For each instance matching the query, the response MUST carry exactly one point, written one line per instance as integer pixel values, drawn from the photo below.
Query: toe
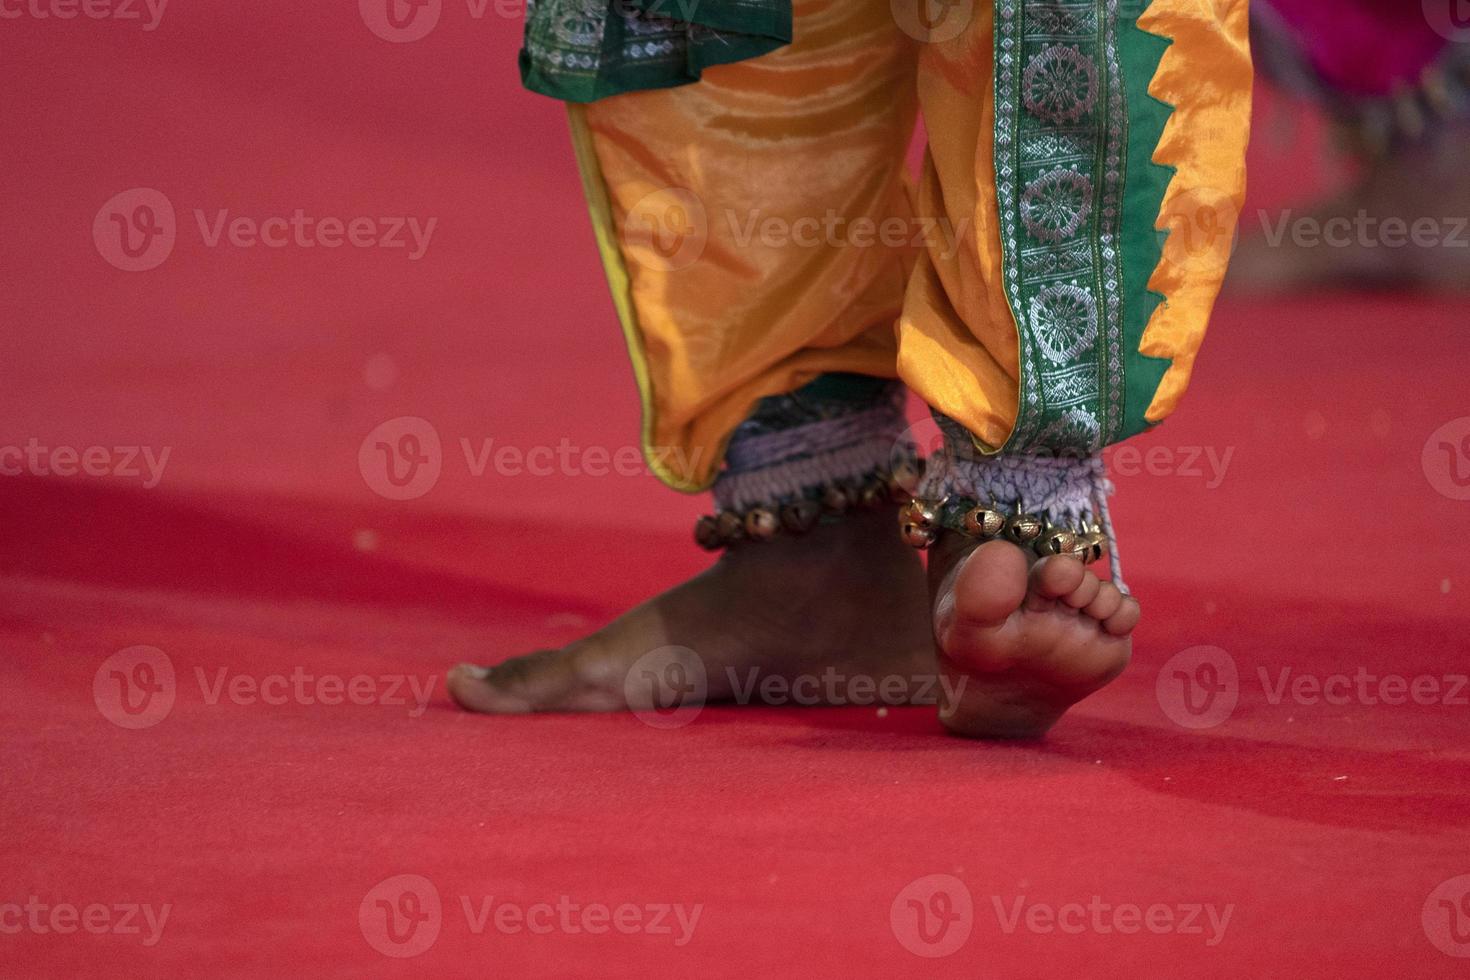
(1121, 623)
(989, 584)
(1082, 596)
(1057, 576)
(467, 685)
(1106, 602)
(538, 681)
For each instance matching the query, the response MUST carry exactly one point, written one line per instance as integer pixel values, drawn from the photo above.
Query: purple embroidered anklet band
(835, 444)
(1052, 504)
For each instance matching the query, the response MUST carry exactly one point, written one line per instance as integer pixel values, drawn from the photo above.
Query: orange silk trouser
(760, 227)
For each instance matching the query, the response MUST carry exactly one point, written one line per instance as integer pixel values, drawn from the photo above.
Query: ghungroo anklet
(920, 522)
(1052, 505)
(799, 515)
(808, 457)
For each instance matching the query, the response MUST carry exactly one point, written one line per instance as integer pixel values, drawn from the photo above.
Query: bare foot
(1021, 640)
(847, 597)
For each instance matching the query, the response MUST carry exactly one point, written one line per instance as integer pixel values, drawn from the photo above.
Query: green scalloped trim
(1142, 241)
(1079, 197)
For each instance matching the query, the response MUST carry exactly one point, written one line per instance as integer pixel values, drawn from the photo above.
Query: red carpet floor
(1300, 517)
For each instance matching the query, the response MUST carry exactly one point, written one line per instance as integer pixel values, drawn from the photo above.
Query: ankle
(858, 539)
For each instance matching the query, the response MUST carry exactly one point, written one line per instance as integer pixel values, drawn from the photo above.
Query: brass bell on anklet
(707, 533)
(1093, 545)
(874, 492)
(922, 514)
(1056, 541)
(917, 537)
(801, 516)
(918, 523)
(1024, 528)
(761, 524)
(983, 522)
(731, 526)
(835, 499)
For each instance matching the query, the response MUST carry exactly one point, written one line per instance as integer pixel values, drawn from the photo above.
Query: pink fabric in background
(1364, 47)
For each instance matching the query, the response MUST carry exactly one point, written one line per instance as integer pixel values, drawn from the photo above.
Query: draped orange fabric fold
(758, 229)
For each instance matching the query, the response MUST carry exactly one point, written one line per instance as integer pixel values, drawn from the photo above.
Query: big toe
(989, 584)
(547, 680)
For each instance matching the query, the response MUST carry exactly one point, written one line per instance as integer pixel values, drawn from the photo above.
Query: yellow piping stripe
(618, 280)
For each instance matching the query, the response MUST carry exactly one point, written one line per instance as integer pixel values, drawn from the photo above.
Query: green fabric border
(1141, 241)
(1079, 199)
(717, 32)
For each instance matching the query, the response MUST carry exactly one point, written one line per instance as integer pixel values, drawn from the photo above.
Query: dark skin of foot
(848, 596)
(1027, 639)
(1018, 641)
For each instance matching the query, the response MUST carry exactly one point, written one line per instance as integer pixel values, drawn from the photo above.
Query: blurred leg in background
(1394, 78)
